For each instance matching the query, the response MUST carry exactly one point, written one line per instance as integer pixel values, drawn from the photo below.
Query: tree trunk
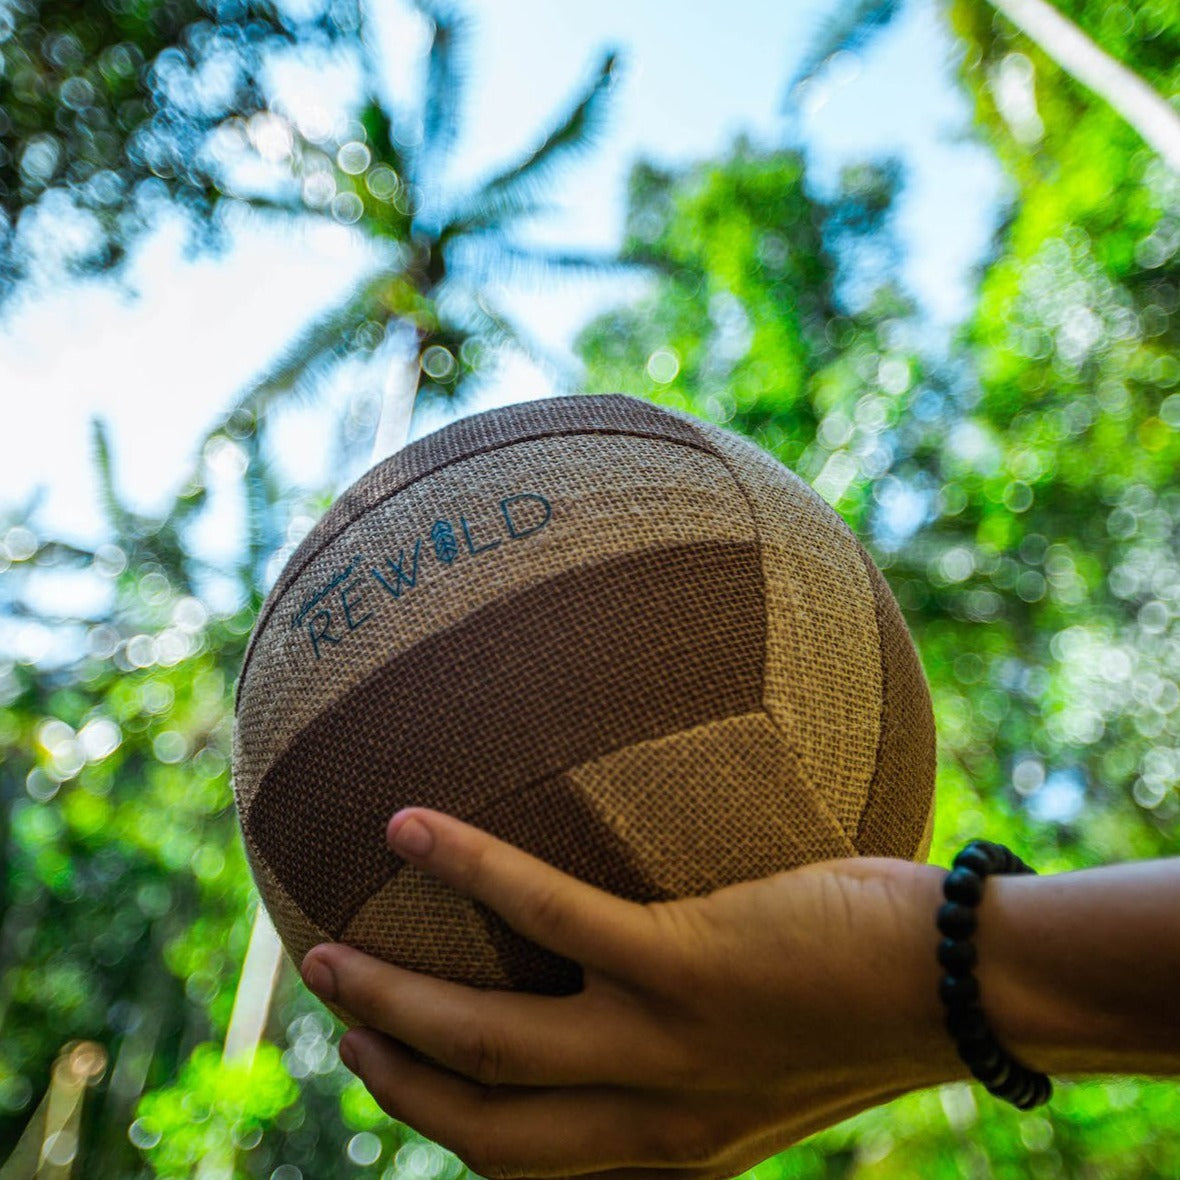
(1143, 108)
(402, 354)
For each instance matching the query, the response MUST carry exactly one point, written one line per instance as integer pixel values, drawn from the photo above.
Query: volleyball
(628, 641)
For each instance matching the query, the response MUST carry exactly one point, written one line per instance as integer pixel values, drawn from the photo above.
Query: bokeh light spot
(364, 1148)
(438, 363)
(347, 208)
(353, 158)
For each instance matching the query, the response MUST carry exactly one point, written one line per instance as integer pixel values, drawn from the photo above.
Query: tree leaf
(851, 26)
(444, 87)
(512, 188)
(323, 341)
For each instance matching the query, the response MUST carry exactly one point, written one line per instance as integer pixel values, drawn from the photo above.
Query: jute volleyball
(630, 642)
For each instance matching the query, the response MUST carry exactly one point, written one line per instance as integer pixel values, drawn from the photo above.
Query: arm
(1080, 972)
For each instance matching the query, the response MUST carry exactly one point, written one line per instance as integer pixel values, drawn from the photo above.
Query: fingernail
(319, 977)
(412, 837)
(348, 1055)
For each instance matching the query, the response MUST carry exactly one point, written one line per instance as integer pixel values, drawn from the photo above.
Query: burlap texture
(704, 807)
(610, 494)
(686, 674)
(592, 660)
(894, 822)
(823, 663)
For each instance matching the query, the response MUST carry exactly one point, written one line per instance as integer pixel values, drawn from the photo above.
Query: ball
(630, 642)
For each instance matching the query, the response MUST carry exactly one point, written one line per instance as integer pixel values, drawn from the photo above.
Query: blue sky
(160, 366)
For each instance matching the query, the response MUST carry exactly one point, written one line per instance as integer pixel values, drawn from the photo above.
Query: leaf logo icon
(446, 547)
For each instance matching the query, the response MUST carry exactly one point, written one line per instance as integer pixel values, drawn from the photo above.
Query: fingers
(505, 1133)
(595, 928)
(494, 1037)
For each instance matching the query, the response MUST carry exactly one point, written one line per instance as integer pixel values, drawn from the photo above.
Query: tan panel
(823, 680)
(923, 853)
(608, 495)
(416, 922)
(710, 806)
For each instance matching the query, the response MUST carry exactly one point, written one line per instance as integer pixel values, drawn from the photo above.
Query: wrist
(926, 1051)
(1078, 970)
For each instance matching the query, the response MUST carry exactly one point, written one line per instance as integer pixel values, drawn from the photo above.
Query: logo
(349, 597)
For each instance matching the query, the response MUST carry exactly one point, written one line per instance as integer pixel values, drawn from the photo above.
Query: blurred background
(925, 253)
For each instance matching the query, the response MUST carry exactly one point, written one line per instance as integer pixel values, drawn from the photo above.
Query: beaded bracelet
(1002, 1074)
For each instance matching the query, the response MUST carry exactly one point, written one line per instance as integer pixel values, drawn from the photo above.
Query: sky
(161, 362)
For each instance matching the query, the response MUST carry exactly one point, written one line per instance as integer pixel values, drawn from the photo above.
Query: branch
(1138, 103)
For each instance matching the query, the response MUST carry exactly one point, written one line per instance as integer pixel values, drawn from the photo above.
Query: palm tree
(1143, 108)
(426, 298)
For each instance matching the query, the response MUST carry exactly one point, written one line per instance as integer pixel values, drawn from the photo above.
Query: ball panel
(820, 603)
(594, 659)
(417, 922)
(476, 435)
(922, 855)
(296, 931)
(659, 493)
(900, 805)
(662, 798)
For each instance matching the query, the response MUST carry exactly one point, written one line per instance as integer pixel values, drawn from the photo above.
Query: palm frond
(444, 81)
(120, 518)
(505, 262)
(484, 319)
(573, 133)
(380, 132)
(493, 217)
(323, 340)
(850, 27)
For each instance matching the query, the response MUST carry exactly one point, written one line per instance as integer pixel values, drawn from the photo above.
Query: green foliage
(747, 325)
(1019, 494)
(214, 1103)
(103, 111)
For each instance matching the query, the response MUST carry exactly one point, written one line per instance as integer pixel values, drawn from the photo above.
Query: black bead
(982, 1053)
(966, 1023)
(999, 1079)
(957, 957)
(955, 920)
(1026, 1092)
(958, 990)
(993, 852)
(963, 885)
(975, 859)
(991, 1071)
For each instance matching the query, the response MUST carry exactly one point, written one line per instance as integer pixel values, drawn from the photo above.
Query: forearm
(1079, 972)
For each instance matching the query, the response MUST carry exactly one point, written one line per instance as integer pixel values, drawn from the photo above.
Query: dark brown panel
(589, 661)
(901, 791)
(613, 413)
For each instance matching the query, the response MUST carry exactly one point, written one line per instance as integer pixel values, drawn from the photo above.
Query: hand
(710, 1033)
